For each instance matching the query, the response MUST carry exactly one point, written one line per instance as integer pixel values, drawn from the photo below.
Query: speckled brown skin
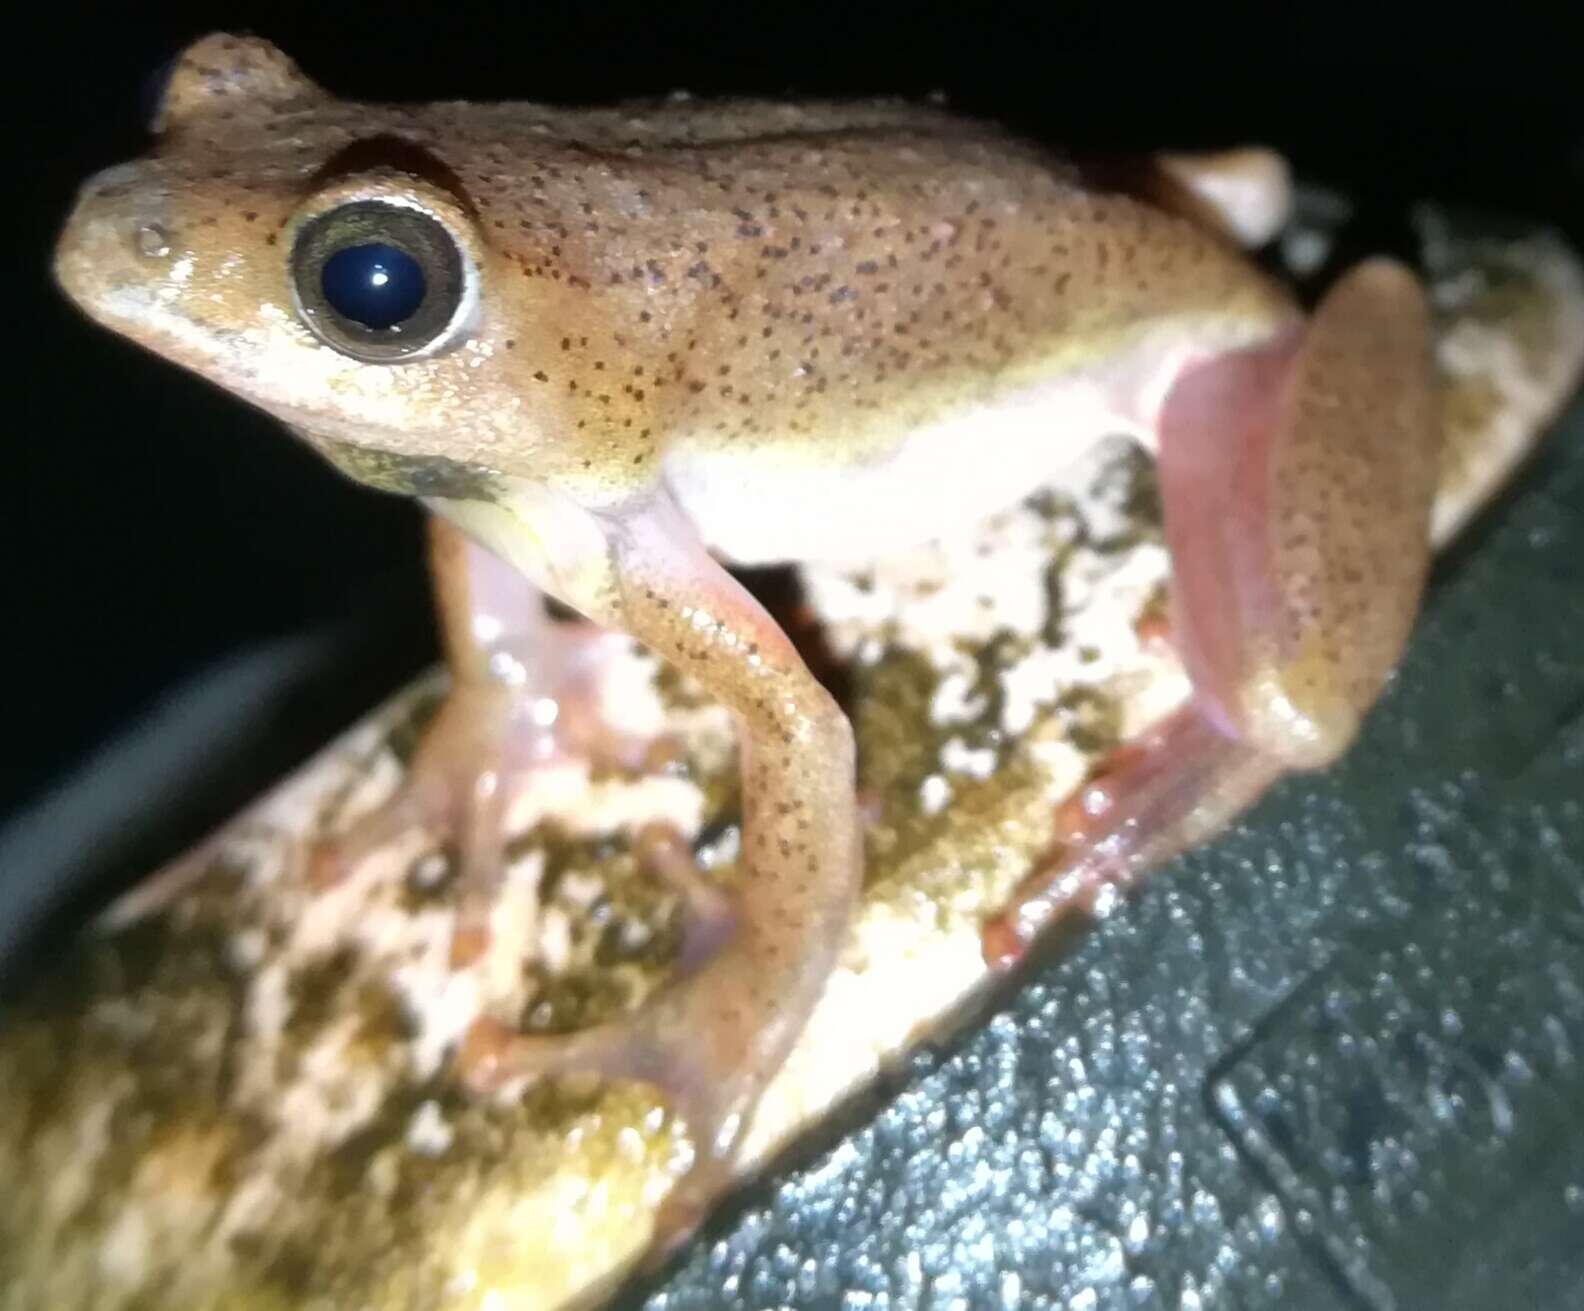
(828, 277)
(1348, 478)
(680, 318)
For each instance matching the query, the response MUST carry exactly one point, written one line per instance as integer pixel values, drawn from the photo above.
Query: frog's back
(813, 264)
(682, 120)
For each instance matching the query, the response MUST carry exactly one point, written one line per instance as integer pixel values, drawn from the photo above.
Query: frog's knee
(1246, 193)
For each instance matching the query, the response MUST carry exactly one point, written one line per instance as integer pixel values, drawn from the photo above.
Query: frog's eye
(379, 281)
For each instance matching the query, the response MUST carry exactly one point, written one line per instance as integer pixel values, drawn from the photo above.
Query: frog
(617, 352)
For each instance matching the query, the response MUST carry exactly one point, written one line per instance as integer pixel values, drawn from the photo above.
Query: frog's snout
(117, 242)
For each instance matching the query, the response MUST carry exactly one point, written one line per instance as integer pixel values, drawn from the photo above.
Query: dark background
(194, 603)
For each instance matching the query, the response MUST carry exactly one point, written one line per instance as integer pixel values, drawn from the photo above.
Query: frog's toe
(709, 916)
(333, 857)
(493, 1054)
(1152, 799)
(686, 1207)
(658, 1041)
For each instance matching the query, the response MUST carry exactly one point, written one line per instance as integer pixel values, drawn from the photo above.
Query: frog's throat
(407, 475)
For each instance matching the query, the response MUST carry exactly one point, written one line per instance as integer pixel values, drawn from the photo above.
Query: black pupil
(376, 285)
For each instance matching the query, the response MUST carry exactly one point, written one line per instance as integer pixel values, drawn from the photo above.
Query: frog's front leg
(522, 696)
(1297, 479)
(714, 1036)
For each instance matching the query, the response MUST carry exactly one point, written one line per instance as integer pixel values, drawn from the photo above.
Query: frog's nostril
(151, 241)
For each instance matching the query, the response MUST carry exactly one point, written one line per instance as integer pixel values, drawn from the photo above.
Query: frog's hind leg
(1151, 800)
(522, 696)
(1297, 480)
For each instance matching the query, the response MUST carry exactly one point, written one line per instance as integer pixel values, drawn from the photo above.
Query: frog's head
(319, 259)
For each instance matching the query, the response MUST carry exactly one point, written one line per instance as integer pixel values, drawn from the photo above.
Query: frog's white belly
(776, 504)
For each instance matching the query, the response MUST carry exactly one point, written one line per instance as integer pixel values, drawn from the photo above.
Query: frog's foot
(684, 1041)
(674, 1043)
(667, 1044)
(489, 736)
(1244, 194)
(1150, 801)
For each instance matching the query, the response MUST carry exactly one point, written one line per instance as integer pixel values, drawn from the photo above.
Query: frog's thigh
(1297, 479)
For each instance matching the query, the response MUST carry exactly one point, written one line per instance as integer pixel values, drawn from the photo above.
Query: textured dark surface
(1337, 1060)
